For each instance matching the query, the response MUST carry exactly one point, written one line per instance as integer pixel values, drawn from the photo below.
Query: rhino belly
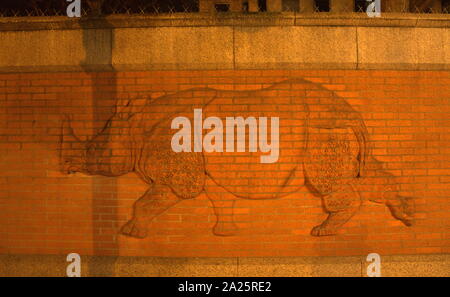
(243, 173)
(246, 178)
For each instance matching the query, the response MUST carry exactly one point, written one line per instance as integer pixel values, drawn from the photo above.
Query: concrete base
(42, 265)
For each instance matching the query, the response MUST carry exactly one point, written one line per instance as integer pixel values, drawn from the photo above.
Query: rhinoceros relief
(323, 145)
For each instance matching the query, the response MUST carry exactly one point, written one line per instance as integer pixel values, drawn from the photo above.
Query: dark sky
(23, 4)
(119, 6)
(62, 4)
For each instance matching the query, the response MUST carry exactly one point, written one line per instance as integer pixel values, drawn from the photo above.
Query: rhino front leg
(154, 202)
(223, 203)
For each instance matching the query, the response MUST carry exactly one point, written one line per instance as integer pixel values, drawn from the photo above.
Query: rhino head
(111, 152)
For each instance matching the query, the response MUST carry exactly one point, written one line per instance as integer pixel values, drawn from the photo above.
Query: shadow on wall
(93, 36)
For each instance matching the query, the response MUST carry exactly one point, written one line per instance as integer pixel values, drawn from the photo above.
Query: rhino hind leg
(223, 204)
(341, 205)
(331, 168)
(154, 202)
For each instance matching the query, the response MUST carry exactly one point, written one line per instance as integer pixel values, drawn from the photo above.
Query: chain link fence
(21, 8)
(16, 8)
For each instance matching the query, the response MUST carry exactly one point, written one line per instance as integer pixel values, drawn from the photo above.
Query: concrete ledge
(404, 48)
(295, 47)
(226, 19)
(173, 48)
(55, 48)
(229, 41)
(41, 265)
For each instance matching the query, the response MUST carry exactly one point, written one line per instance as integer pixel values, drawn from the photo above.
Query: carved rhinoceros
(323, 145)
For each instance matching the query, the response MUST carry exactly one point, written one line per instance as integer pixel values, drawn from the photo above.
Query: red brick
(45, 211)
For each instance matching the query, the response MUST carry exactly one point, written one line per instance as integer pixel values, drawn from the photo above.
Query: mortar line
(357, 48)
(234, 48)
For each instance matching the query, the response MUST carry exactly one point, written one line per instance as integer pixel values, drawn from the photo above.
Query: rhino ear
(125, 109)
(122, 104)
(138, 104)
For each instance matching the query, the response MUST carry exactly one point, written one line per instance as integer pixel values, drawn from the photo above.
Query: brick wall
(44, 211)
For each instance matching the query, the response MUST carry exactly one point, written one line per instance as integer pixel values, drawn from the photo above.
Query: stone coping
(226, 19)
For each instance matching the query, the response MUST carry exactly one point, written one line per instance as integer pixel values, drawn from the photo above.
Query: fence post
(95, 7)
(307, 6)
(342, 5)
(274, 5)
(395, 6)
(235, 5)
(253, 6)
(423, 6)
(437, 6)
(205, 6)
(209, 5)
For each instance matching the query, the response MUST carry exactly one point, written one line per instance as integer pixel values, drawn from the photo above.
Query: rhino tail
(364, 156)
(379, 185)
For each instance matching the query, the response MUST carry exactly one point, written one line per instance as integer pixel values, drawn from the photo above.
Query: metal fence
(15, 8)
(18, 8)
